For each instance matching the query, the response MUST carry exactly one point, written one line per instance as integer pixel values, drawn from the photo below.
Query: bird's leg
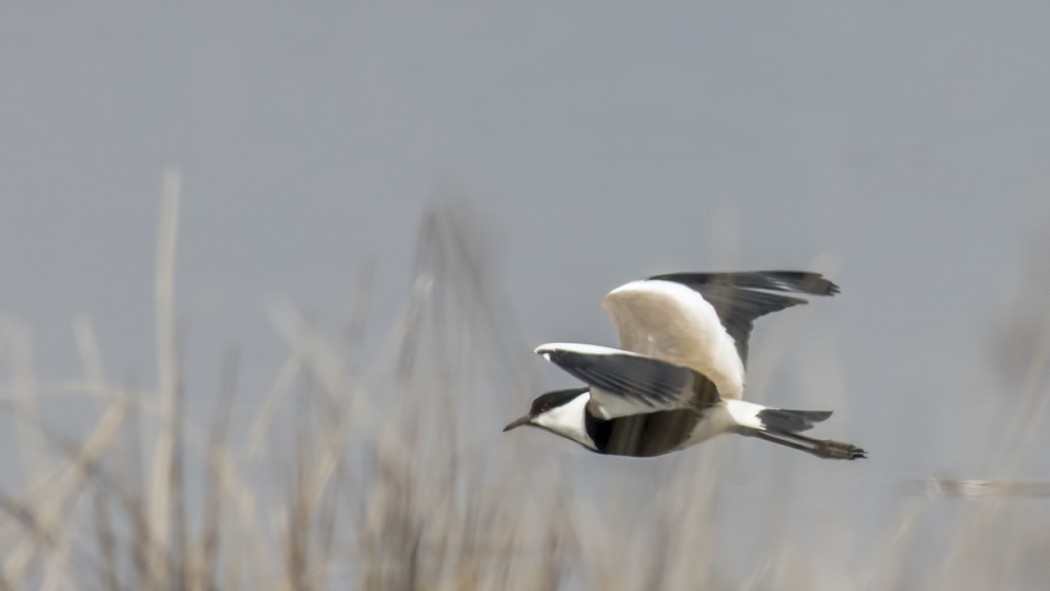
(826, 448)
(822, 448)
(785, 442)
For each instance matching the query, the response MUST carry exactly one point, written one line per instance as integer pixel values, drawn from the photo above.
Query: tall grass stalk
(346, 473)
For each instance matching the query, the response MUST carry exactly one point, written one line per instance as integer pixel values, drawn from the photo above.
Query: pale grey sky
(601, 142)
(902, 146)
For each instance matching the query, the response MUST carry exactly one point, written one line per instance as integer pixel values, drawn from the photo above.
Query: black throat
(598, 429)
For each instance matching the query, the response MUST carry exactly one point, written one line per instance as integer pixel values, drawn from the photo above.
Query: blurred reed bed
(392, 474)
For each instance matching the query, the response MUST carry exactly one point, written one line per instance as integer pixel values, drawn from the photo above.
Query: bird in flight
(677, 378)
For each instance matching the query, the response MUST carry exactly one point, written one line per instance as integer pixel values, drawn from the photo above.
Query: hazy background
(903, 148)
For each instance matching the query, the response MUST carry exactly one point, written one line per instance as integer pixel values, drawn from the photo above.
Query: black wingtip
(805, 282)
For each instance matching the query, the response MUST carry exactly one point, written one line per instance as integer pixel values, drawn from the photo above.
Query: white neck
(567, 420)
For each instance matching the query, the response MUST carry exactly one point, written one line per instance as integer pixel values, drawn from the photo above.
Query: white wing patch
(674, 323)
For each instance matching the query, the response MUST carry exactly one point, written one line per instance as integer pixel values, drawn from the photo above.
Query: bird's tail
(791, 421)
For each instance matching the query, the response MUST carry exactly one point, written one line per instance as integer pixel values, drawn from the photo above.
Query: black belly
(645, 435)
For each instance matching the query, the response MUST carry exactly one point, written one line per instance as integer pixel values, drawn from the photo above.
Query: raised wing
(625, 384)
(739, 298)
(674, 323)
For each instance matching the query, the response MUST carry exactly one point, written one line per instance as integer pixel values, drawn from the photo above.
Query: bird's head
(560, 412)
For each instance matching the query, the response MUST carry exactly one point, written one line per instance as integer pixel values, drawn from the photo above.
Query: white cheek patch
(568, 420)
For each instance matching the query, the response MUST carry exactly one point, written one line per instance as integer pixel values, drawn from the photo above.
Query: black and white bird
(678, 377)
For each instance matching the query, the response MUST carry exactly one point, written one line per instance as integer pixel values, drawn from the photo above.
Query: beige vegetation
(345, 474)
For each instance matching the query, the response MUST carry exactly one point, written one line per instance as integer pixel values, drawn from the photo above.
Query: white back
(674, 323)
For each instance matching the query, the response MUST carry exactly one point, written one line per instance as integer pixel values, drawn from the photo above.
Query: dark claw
(839, 451)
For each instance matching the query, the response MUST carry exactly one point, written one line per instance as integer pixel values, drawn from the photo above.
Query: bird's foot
(836, 450)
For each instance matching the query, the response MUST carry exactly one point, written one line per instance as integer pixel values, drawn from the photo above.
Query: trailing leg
(822, 448)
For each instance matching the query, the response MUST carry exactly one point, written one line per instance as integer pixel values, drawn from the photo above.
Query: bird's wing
(739, 298)
(674, 323)
(625, 383)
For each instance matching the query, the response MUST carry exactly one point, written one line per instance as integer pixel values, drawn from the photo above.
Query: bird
(677, 378)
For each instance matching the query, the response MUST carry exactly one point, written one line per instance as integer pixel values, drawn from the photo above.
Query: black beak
(525, 420)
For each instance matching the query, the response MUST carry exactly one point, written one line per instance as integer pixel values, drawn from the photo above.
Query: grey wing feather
(648, 383)
(739, 298)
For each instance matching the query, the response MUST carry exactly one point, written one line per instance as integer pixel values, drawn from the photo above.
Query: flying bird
(677, 378)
